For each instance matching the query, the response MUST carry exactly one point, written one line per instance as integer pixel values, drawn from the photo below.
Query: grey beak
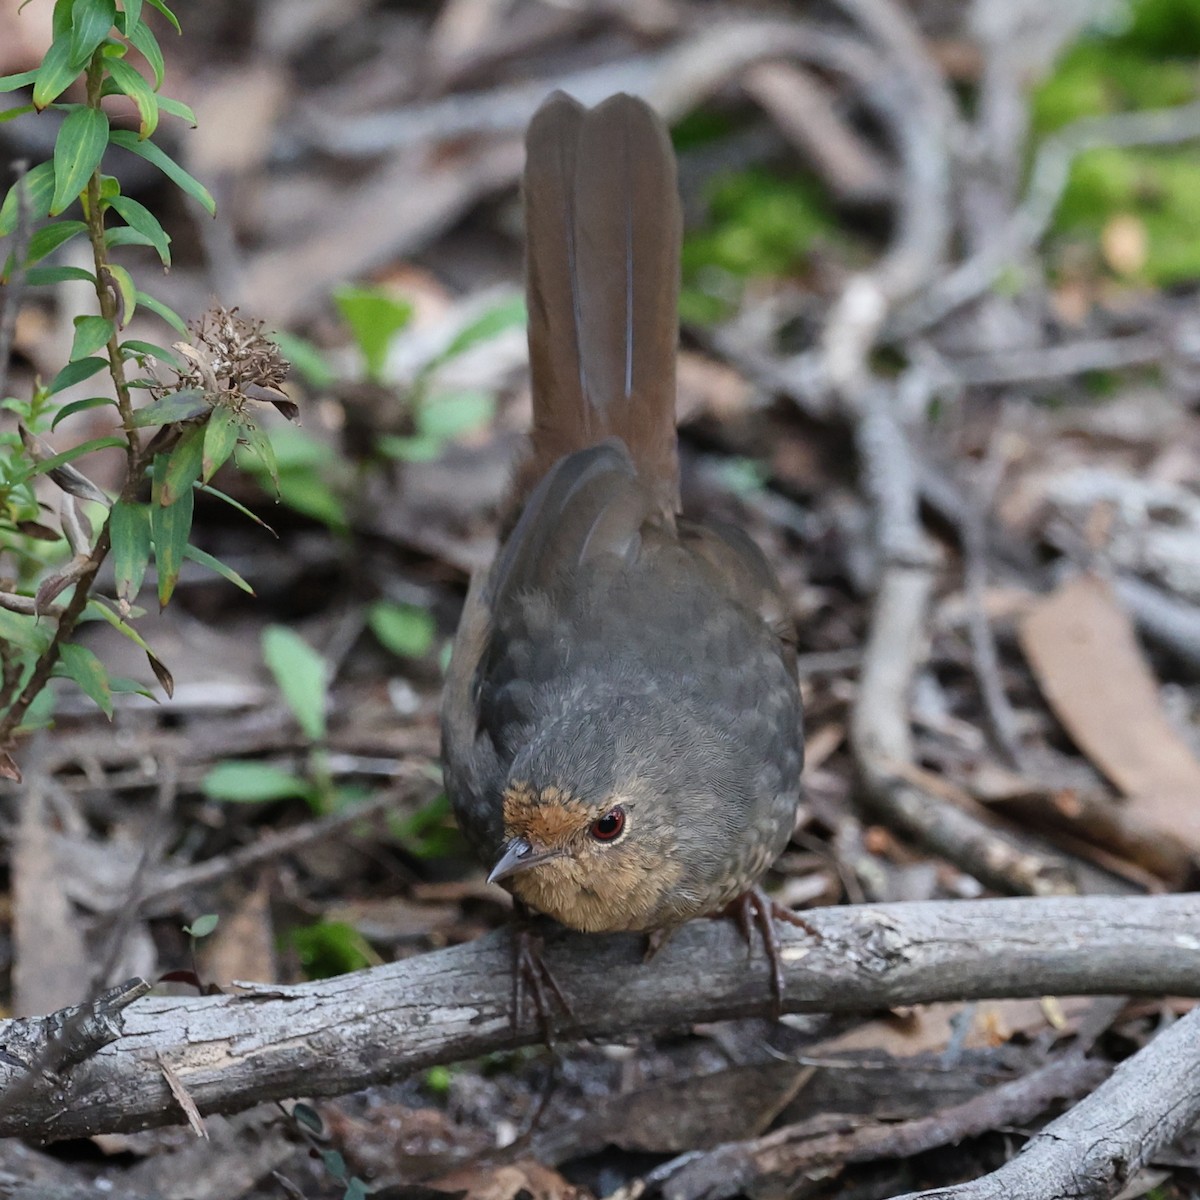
(516, 856)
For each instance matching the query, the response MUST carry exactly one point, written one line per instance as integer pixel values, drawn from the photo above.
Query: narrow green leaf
(166, 12)
(236, 504)
(302, 675)
(252, 783)
(41, 276)
(91, 21)
(170, 526)
(306, 358)
(49, 238)
(216, 565)
(39, 190)
(159, 309)
(91, 333)
(406, 630)
(11, 114)
(122, 235)
(133, 12)
(183, 467)
(80, 145)
(138, 216)
(66, 456)
(76, 372)
(78, 406)
(177, 108)
(60, 20)
(260, 444)
(10, 83)
(447, 415)
(137, 348)
(81, 665)
(56, 72)
(128, 140)
(509, 314)
(141, 36)
(220, 437)
(129, 81)
(127, 290)
(175, 406)
(129, 528)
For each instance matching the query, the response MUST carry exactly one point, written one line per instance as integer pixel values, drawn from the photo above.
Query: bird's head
(598, 865)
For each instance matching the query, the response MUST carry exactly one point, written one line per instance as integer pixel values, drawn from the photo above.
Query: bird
(622, 733)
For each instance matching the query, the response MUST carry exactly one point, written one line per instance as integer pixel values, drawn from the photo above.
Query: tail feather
(603, 230)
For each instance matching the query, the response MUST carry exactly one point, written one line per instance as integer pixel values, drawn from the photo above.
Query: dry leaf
(1124, 243)
(1082, 648)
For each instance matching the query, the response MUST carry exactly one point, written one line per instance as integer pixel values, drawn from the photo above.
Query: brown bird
(621, 724)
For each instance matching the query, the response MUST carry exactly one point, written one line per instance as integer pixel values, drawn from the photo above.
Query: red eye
(608, 827)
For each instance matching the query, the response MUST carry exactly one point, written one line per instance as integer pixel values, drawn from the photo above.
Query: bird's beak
(517, 855)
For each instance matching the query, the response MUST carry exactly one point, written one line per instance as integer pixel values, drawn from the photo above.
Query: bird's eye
(608, 827)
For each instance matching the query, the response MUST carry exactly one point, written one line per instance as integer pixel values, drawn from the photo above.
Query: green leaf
(49, 238)
(175, 406)
(133, 12)
(159, 309)
(252, 783)
(57, 71)
(406, 630)
(41, 276)
(28, 632)
(448, 415)
(138, 216)
(260, 444)
(509, 314)
(236, 504)
(202, 926)
(220, 437)
(80, 664)
(141, 36)
(167, 165)
(410, 449)
(91, 21)
(66, 456)
(91, 334)
(122, 235)
(375, 317)
(39, 190)
(217, 566)
(183, 467)
(11, 114)
(127, 291)
(76, 372)
(170, 526)
(177, 108)
(166, 12)
(10, 83)
(78, 406)
(136, 348)
(78, 149)
(129, 528)
(129, 80)
(302, 675)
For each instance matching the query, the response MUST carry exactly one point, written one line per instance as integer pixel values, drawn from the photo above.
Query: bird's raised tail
(603, 227)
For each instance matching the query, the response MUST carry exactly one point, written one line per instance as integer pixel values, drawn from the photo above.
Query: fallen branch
(1093, 1151)
(338, 1035)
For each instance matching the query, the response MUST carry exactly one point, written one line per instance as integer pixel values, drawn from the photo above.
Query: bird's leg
(532, 977)
(753, 907)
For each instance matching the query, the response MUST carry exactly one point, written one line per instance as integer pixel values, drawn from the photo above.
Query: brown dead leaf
(525, 1179)
(243, 944)
(1082, 648)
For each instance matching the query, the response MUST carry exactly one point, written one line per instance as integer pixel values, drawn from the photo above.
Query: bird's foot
(754, 907)
(534, 981)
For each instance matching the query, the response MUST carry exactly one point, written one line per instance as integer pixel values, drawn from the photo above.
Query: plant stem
(94, 216)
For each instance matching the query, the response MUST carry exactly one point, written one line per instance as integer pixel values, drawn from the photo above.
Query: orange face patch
(548, 818)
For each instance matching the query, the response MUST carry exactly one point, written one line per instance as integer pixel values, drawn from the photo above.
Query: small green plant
(180, 413)
(308, 1124)
(302, 676)
(328, 948)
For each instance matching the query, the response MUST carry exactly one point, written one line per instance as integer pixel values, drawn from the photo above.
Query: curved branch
(338, 1035)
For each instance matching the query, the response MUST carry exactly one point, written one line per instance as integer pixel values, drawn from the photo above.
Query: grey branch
(1093, 1151)
(338, 1035)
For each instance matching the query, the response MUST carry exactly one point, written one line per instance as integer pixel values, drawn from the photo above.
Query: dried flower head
(233, 362)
